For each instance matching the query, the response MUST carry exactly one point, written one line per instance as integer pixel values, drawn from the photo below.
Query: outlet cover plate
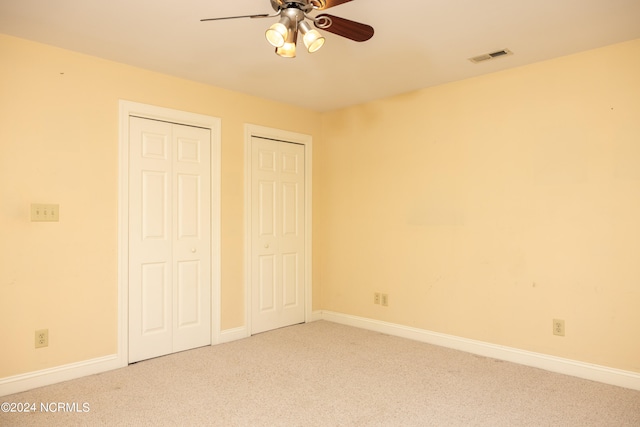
(558, 327)
(42, 338)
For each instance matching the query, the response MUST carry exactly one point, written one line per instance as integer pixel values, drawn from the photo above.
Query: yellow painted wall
(487, 207)
(484, 208)
(59, 144)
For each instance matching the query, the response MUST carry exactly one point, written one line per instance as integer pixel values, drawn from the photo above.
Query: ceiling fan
(294, 15)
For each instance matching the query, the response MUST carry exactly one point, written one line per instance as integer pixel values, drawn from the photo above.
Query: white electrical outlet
(384, 300)
(558, 327)
(42, 338)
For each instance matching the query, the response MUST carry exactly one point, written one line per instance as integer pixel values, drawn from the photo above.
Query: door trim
(251, 131)
(127, 109)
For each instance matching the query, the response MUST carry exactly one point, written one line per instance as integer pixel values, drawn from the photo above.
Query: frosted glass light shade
(288, 50)
(277, 34)
(313, 41)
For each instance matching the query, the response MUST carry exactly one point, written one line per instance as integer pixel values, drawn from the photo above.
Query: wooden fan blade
(262, 15)
(343, 27)
(326, 4)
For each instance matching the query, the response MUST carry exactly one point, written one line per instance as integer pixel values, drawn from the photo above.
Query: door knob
(266, 246)
(193, 250)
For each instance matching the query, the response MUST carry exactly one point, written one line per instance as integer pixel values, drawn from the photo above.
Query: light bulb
(288, 50)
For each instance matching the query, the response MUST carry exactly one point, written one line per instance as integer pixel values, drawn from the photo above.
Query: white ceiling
(417, 43)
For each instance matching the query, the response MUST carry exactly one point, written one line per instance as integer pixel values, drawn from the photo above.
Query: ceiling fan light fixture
(313, 40)
(293, 16)
(288, 50)
(277, 33)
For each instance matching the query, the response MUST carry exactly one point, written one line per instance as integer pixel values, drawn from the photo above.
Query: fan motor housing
(298, 4)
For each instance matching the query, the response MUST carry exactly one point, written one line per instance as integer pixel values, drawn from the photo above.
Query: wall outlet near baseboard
(376, 298)
(558, 327)
(42, 338)
(384, 300)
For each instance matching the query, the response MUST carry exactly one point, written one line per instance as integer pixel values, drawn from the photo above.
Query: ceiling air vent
(492, 55)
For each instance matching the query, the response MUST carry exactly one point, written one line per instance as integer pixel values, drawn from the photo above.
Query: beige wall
(484, 208)
(59, 144)
(487, 207)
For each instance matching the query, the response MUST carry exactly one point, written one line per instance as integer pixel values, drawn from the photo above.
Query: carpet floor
(327, 374)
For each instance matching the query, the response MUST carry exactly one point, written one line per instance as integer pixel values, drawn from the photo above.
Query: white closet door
(169, 238)
(278, 212)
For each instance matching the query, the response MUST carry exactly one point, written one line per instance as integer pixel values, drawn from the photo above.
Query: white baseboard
(315, 316)
(241, 332)
(560, 365)
(35, 379)
(603, 374)
(234, 334)
(31, 380)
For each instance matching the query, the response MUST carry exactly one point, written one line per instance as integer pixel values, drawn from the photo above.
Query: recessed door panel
(267, 208)
(290, 215)
(188, 293)
(189, 206)
(290, 282)
(290, 163)
(155, 145)
(155, 214)
(267, 282)
(266, 160)
(156, 292)
(189, 150)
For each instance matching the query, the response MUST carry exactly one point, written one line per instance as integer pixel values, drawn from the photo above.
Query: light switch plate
(45, 213)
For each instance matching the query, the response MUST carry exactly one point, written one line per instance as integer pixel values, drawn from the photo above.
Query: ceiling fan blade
(326, 4)
(262, 15)
(343, 27)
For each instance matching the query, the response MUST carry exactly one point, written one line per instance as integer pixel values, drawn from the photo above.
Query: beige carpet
(326, 374)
